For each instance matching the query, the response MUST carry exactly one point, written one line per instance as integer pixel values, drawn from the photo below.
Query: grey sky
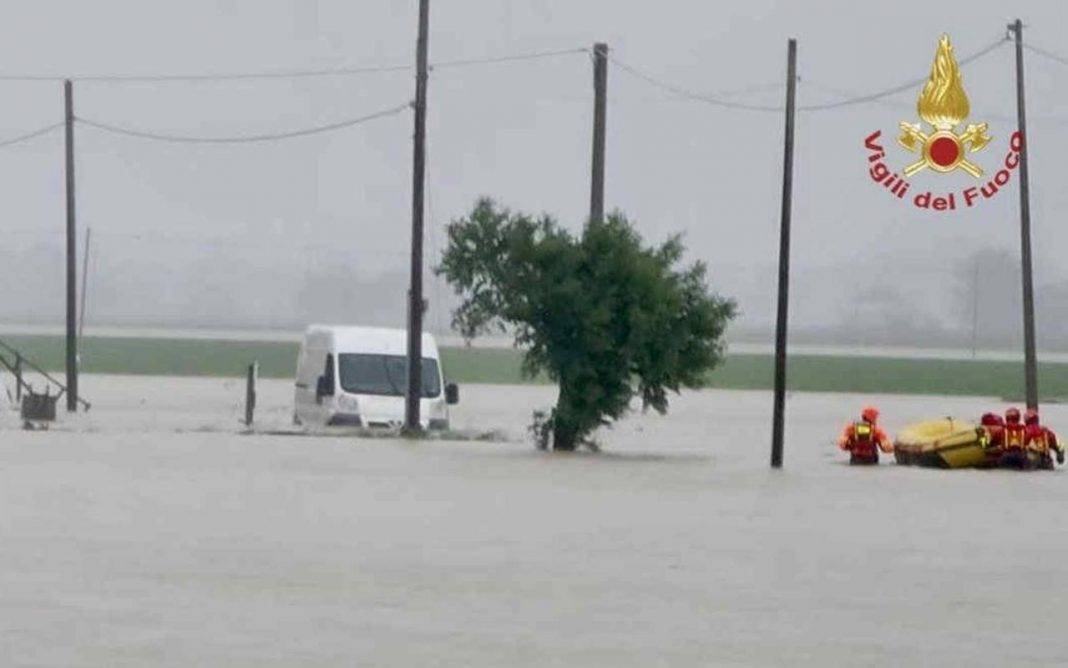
(519, 132)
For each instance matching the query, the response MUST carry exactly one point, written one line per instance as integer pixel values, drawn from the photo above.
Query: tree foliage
(606, 317)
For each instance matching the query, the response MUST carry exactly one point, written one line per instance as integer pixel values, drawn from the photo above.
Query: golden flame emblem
(943, 104)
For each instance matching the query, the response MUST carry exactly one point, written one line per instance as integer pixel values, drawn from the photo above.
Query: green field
(807, 373)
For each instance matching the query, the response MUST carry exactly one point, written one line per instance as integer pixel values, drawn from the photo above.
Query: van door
(325, 404)
(309, 366)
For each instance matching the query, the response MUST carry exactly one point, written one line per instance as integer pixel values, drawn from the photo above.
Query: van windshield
(384, 374)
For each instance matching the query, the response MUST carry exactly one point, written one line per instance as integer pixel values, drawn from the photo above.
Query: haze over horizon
(276, 234)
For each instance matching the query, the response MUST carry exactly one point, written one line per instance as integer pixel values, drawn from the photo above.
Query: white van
(358, 376)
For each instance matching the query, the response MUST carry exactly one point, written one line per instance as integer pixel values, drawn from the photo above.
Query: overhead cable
(146, 78)
(689, 94)
(289, 74)
(506, 59)
(240, 139)
(241, 76)
(908, 85)
(997, 116)
(1046, 54)
(720, 101)
(30, 135)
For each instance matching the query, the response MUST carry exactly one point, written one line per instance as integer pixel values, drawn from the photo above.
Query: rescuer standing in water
(864, 439)
(1040, 441)
(994, 425)
(1013, 454)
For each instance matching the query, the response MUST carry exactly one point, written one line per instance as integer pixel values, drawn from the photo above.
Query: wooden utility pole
(1030, 356)
(600, 114)
(250, 392)
(975, 307)
(415, 292)
(85, 288)
(72, 261)
(778, 414)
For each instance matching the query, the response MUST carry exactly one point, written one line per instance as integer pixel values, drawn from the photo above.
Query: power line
(155, 237)
(30, 135)
(683, 92)
(901, 106)
(186, 139)
(148, 78)
(288, 74)
(719, 101)
(908, 85)
(506, 59)
(207, 243)
(244, 76)
(1046, 54)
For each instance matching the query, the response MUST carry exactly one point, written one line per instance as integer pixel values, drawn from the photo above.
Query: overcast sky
(519, 132)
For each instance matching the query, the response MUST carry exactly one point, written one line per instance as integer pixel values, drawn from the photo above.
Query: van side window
(328, 372)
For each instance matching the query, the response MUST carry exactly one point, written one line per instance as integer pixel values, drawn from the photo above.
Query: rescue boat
(945, 444)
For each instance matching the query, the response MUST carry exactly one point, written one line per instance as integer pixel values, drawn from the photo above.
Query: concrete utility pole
(778, 413)
(1030, 356)
(415, 292)
(600, 113)
(72, 278)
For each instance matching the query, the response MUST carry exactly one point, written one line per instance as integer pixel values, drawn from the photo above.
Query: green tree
(606, 317)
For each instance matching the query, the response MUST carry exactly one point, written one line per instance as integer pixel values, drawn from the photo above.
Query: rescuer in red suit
(1013, 454)
(864, 439)
(995, 428)
(994, 425)
(1040, 441)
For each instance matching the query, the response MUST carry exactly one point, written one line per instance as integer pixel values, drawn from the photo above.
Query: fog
(277, 234)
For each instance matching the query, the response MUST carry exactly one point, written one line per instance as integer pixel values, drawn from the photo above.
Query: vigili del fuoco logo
(940, 146)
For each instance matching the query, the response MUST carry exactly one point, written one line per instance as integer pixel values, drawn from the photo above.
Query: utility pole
(600, 114)
(72, 279)
(778, 415)
(975, 307)
(415, 292)
(1030, 357)
(85, 288)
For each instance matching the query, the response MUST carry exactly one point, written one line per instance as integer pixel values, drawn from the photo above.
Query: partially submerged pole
(415, 291)
(975, 307)
(72, 279)
(1030, 356)
(85, 288)
(778, 413)
(18, 378)
(250, 392)
(600, 115)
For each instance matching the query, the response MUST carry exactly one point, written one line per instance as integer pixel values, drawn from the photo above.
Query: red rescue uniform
(863, 440)
(1014, 436)
(1040, 443)
(1013, 454)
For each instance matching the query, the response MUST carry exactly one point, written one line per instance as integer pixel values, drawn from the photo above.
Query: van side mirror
(323, 388)
(452, 394)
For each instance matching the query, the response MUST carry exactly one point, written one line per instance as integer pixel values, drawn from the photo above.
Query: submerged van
(358, 376)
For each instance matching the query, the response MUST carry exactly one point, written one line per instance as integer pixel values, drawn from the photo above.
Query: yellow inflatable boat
(945, 443)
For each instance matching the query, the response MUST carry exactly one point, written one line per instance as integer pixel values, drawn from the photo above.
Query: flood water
(151, 531)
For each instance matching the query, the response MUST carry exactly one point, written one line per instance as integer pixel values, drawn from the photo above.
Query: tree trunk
(564, 437)
(565, 433)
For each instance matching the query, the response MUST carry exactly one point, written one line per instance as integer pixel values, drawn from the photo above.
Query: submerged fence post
(778, 417)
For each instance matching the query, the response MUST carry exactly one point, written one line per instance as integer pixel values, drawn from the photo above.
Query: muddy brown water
(151, 532)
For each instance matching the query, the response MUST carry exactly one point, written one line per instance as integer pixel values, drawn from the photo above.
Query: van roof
(375, 340)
